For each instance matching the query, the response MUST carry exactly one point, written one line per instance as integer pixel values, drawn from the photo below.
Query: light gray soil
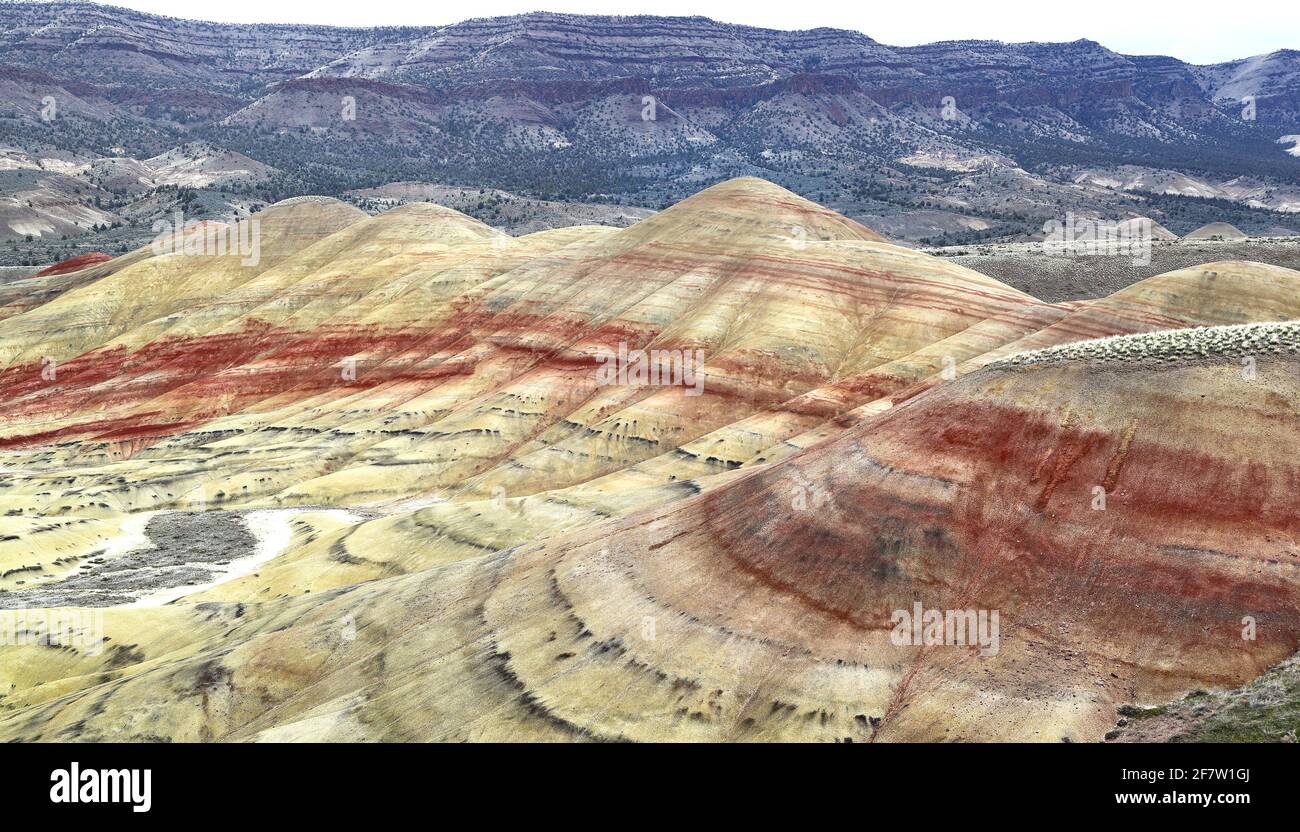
(1056, 278)
(187, 549)
(17, 272)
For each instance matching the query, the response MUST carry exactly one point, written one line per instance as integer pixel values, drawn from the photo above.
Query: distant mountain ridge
(644, 110)
(670, 52)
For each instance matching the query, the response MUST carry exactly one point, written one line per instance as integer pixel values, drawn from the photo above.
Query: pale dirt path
(273, 532)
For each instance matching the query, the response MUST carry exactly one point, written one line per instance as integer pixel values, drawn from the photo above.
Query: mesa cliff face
(539, 553)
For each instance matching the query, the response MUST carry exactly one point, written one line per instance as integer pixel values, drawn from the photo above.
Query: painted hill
(73, 264)
(509, 212)
(490, 526)
(1216, 230)
(1132, 228)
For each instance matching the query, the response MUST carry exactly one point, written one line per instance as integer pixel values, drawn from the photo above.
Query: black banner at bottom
(305, 782)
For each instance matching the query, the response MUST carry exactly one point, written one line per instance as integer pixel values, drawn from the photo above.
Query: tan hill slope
(1216, 231)
(504, 210)
(549, 552)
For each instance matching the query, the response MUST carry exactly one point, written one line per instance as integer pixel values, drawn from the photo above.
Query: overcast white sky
(1201, 31)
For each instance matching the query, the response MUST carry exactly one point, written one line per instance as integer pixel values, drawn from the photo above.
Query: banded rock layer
(550, 557)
